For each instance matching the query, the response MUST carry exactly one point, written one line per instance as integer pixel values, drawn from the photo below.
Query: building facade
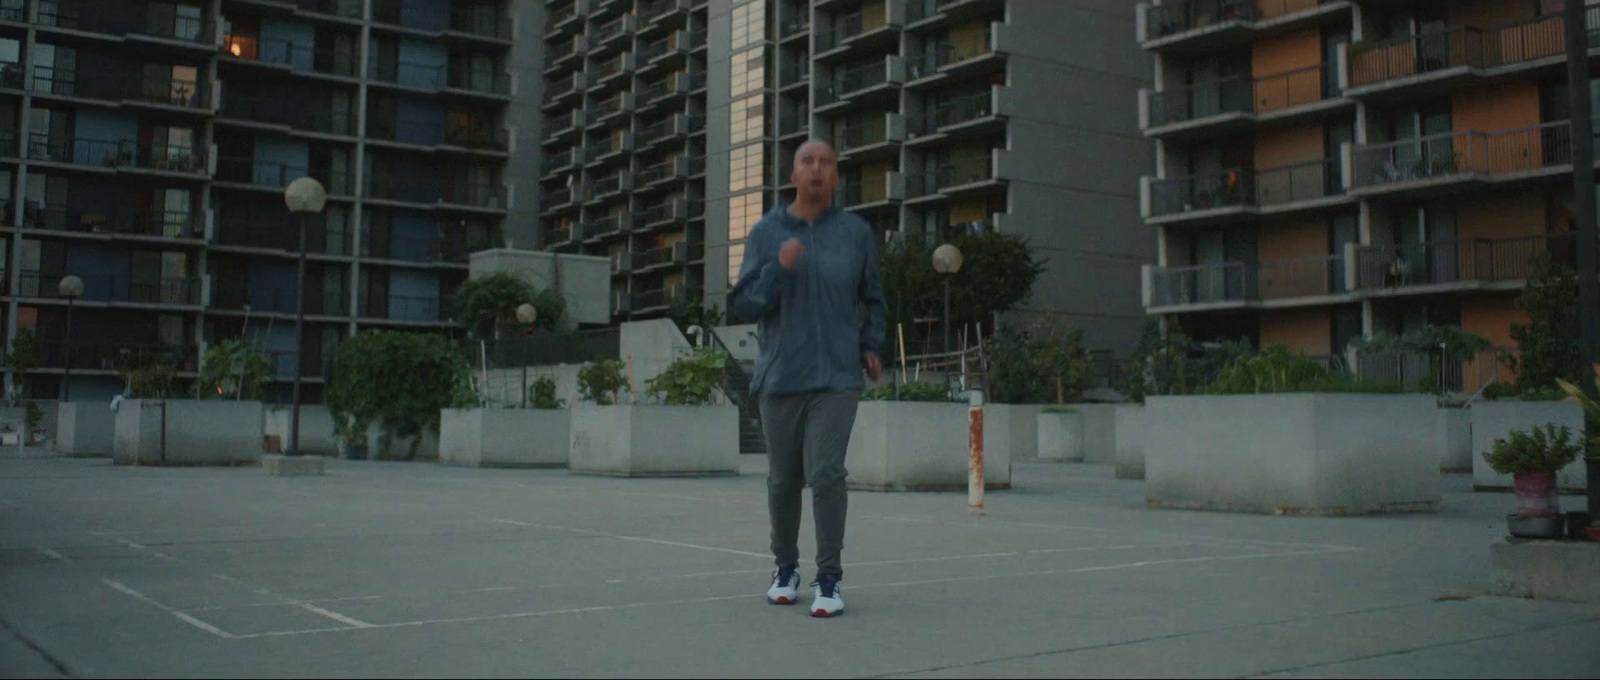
(948, 115)
(1331, 170)
(145, 145)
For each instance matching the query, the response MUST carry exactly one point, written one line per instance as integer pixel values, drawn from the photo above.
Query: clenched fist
(792, 250)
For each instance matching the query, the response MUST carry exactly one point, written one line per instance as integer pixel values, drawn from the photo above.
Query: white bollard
(975, 452)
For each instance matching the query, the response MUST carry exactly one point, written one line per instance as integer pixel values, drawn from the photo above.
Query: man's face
(816, 170)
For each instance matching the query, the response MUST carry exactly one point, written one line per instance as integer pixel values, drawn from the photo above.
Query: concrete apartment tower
(1330, 170)
(1012, 115)
(145, 145)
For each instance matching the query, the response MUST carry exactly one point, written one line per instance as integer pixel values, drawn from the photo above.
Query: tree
(998, 272)
(1158, 364)
(486, 305)
(1043, 364)
(232, 368)
(1550, 343)
(398, 380)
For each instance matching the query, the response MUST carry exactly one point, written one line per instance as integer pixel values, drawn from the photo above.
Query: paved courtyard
(407, 569)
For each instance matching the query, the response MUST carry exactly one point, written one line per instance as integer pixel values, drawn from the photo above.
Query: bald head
(815, 173)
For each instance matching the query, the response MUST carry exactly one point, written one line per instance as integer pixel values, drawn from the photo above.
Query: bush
(399, 380)
(600, 381)
(233, 368)
(1541, 449)
(1550, 343)
(542, 394)
(486, 305)
(1042, 365)
(911, 391)
(1276, 369)
(691, 380)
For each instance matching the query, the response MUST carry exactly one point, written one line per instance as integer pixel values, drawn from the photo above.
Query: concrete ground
(408, 569)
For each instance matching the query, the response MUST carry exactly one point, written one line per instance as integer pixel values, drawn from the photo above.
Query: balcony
(923, 15)
(156, 224)
(663, 173)
(181, 291)
(272, 175)
(1460, 160)
(795, 28)
(410, 75)
(91, 357)
(651, 260)
(1194, 26)
(477, 82)
(606, 188)
(191, 32)
(863, 31)
(615, 224)
(566, 19)
(557, 236)
(1318, 279)
(562, 126)
(613, 33)
(963, 175)
(665, 213)
(260, 232)
(286, 113)
(873, 136)
(1230, 194)
(561, 200)
(442, 193)
(793, 123)
(659, 14)
(611, 69)
(794, 74)
(118, 155)
(480, 22)
(662, 91)
(1421, 65)
(477, 136)
(873, 82)
(668, 50)
(447, 249)
(609, 148)
(1459, 264)
(566, 54)
(288, 56)
(415, 309)
(1236, 104)
(967, 116)
(872, 190)
(558, 91)
(676, 126)
(163, 93)
(559, 162)
(604, 112)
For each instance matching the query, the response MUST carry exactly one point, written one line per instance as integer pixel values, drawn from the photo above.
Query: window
(749, 24)
(183, 22)
(171, 84)
(746, 168)
(749, 72)
(747, 119)
(744, 211)
(735, 259)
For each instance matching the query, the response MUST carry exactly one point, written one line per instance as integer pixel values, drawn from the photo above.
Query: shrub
(911, 391)
(1550, 343)
(690, 380)
(1540, 449)
(600, 381)
(396, 379)
(1042, 365)
(233, 368)
(542, 394)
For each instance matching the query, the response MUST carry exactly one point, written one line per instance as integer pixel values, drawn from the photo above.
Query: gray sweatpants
(807, 435)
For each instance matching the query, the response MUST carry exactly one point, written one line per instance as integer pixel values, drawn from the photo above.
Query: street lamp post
(947, 261)
(305, 197)
(527, 314)
(71, 288)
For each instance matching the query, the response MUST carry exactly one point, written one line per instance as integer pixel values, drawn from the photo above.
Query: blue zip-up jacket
(813, 322)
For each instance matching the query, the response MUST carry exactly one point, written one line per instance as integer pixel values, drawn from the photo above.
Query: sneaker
(826, 600)
(785, 587)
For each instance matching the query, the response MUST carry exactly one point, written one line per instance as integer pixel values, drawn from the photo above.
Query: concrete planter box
(1061, 436)
(1493, 420)
(1455, 440)
(85, 429)
(499, 437)
(918, 446)
(1130, 422)
(654, 441)
(400, 447)
(1324, 454)
(187, 432)
(1100, 434)
(316, 429)
(1013, 427)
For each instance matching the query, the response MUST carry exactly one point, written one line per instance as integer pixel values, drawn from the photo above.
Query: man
(810, 279)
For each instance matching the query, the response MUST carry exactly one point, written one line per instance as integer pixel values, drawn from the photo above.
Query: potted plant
(396, 382)
(485, 436)
(689, 430)
(1532, 457)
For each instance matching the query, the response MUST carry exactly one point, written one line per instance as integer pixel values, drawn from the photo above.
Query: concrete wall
(210, 432)
(585, 280)
(1130, 428)
(498, 437)
(1493, 420)
(316, 428)
(916, 446)
(655, 441)
(1013, 428)
(526, 120)
(1455, 446)
(84, 429)
(1316, 454)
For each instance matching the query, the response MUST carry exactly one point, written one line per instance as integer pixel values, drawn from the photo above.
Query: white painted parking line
(144, 548)
(197, 623)
(641, 539)
(51, 554)
(341, 618)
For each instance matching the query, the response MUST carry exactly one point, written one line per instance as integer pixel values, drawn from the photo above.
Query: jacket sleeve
(873, 306)
(760, 283)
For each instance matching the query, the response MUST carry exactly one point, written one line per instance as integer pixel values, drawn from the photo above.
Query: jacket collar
(792, 220)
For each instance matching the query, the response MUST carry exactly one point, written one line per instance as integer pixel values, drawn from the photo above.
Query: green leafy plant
(1436, 342)
(146, 375)
(601, 381)
(542, 394)
(694, 313)
(22, 358)
(1042, 364)
(1538, 449)
(1159, 363)
(34, 415)
(396, 379)
(1591, 409)
(1550, 343)
(1276, 369)
(911, 391)
(998, 272)
(690, 380)
(487, 306)
(233, 369)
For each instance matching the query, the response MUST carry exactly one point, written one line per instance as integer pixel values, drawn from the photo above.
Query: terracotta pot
(1536, 494)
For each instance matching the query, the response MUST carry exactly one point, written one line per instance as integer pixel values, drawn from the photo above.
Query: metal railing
(868, 189)
(1465, 151)
(550, 349)
(73, 83)
(847, 28)
(1245, 187)
(664, 170)
(660, 212)
(660, 47)
(853, 80)
(1459, 260)
(1179, 16)
(652, 258)
(555, 235)
(482, 20)
(116, 153)
(964, 108)
(90, 15)
(253, 232)
(610, 29)
(285, 111)
(401, 308)
(1241, 94)
(184, 290)
(1203, 284)
(166, 224)
(97, 356)
(409, 74)
(605, 226)
(1501, 45)
(278, 175)
(965, 171)
(560, 160)
(287, 53)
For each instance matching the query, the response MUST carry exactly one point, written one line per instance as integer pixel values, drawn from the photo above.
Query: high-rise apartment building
(1332, 170)
(1011, 115)
(145, 145)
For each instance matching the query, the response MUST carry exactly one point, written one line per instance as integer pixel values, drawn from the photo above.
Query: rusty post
(975, 452)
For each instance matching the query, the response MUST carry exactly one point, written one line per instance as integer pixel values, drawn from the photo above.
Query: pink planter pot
(1536, 494)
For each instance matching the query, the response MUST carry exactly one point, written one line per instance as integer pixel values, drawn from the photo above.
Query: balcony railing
(559, 160)
(1239, 94)
(116, 154)
(604, 226)
(285, 53)
(853, 80)
(88, 15)
(856, 135)
(277, 175)
(432, 190)
(794, 73)
(557, 235)
(1202, 284)
(410, 74)
(72, 83)
(1247, 187)
(100, 356)
(1459, 260)
(654, 257)
(254, 232)
(166, 224)
(402, 308)
(1463, 152)
(235, 294)
(486, 82)
(870, 188)
(181, 290)
(664, 170)
(659, 47)
(848, 27)
(1503, 45)
(483, 20)
(302, 115)
(964, 108)
(611, 29)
